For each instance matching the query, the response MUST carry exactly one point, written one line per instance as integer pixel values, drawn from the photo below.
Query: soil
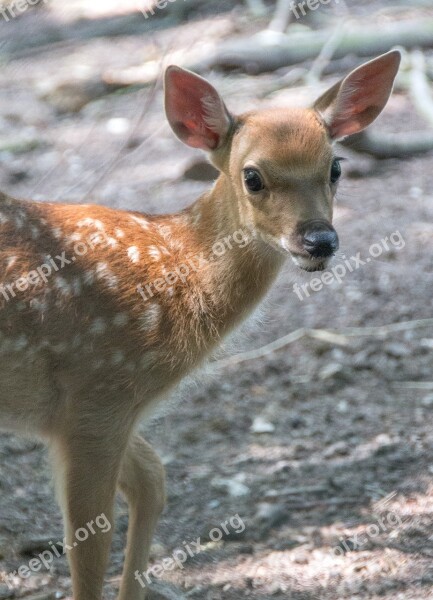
(313, 463)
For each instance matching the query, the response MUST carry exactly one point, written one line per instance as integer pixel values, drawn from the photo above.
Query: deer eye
(336, 170)
(253, 180)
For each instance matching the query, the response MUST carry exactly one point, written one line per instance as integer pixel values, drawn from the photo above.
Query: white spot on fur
(180, 220)
(150, 317)
(117, 357)
(62, 285)
(20, 343)
(19, 221)
(76, 341)
(89, 222)
(37, 304)
(103, 272)
(165, 231)
(111, 242)
(59, 348)
(74, 237)
(76, 286)
(3, 219)
(98, 326)
(98, 363)
(10, 261)
(34, 231)
(119, 233)
(149, 360)
(120, 319)
(20, 218)
(141, 221)
(133, 254)
(56, 233)
(154, 253)
(13, 345)
(89, 277)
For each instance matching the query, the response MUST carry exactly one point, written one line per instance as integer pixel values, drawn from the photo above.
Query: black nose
(321, 242)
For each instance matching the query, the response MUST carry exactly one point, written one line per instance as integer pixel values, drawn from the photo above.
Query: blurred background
(322, 443)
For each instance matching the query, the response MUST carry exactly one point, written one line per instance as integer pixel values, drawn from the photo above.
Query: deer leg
(88, 468)
(142, 482)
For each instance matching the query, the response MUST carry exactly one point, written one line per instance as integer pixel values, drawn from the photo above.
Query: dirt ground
(318, 457)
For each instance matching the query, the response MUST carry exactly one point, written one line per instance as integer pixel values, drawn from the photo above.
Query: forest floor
(318, 458)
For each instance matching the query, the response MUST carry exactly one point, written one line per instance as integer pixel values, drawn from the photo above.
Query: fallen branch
(385, 146)
(20, 45)
(256, 54)
(325, 335)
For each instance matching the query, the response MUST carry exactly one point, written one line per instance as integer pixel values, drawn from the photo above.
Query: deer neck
(240, 266)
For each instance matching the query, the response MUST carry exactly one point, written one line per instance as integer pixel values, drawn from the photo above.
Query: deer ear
(355, 102)
(195, 110)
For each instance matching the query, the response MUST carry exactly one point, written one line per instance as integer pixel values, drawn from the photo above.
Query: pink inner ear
(363, 96)
(194, 109)
(360, 103)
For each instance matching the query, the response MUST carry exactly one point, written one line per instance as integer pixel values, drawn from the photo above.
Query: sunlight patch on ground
(96, 8)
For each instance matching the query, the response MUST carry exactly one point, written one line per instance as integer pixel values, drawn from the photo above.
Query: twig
(150, 97)
(260, 352)
(256, 7)
(342, 6)
(282, 16)
(328, 502)
(146, 105)
(325, 56)
(420, 86)
(299, 491)
(415, 385)
(326, 335)
(384, 330)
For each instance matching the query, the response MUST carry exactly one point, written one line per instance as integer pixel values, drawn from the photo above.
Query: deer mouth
(308, 263)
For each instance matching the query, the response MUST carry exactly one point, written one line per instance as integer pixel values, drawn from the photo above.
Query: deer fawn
(83, 356)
